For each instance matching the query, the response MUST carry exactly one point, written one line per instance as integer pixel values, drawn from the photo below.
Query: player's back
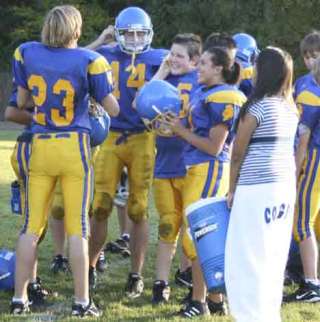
(59, 79)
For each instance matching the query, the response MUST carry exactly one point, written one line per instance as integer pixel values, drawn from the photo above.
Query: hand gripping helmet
(156, 99)
(137, 21)
(100, 125)
(247, 49)
(7, 269)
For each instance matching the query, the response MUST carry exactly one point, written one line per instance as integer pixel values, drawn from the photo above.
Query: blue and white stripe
(270, 153)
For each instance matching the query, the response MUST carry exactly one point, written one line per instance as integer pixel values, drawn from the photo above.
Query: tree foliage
(277, 22)
(272, 22)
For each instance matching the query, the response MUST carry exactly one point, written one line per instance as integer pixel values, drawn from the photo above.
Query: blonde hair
(61, 26)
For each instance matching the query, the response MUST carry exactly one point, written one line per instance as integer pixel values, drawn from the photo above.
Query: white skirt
(257, 247)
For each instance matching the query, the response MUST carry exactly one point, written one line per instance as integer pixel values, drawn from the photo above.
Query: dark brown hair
(222, 57)
(274, 68)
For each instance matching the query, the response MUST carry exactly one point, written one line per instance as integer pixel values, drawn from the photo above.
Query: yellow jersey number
(62, 85)
(184, 90)
(135, 80)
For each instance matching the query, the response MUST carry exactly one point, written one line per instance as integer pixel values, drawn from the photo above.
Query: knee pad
(188, 245)
(137, 212)
(57, 212)
(169, 228)
(102, 206)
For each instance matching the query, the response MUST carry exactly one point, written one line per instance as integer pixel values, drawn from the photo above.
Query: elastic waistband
(128, 132)
(125, 134)
(57, 135)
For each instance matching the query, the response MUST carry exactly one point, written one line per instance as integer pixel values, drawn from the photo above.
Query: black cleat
(134, 286)
(160, 292)
(217, 308)
(37, 294)
(307, 292)
(118, 246)
(184, 278)
(60, 264)
(17, 308)
(194, 309)
(85, 311)
(92, 277)
(101, 263)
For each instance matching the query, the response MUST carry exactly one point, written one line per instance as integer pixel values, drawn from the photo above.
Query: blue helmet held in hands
(138, 22)
(156, 99)
(247, 49)
(100, 125)
(7, 269)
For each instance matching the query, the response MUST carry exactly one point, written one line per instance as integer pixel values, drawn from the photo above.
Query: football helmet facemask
(133, 30)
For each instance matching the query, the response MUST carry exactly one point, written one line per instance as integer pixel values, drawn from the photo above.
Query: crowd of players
(193, 162)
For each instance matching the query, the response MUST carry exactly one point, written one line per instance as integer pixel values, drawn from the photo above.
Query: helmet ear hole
(135, 20)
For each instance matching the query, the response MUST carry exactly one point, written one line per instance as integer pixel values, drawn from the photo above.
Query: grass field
(109, 295)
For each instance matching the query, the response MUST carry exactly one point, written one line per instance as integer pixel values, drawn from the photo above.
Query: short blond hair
(61, 26)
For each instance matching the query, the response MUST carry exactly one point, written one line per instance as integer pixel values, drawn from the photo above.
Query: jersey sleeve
(100, 79)
(220, 113)
(18, 68)
(309, 107)
(223, 107)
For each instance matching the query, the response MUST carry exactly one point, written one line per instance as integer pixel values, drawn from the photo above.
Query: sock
(84, 303)
(18, 300)
(157, 282)
(125, 237)
(312, 281)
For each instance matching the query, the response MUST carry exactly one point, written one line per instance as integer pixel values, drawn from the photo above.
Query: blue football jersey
(246, 80)
(128, 80)
(61, 81)
(169, 157)
(307, 96)
(211, 106)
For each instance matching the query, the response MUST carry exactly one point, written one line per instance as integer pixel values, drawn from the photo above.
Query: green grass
(109, 294)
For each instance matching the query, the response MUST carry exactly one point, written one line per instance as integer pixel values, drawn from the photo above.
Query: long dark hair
(222, 57)
(274, 73)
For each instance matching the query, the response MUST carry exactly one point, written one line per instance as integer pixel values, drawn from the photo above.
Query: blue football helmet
(247, 49)
(100, 125)
(156, 99)
(137, 21)
(7, 269)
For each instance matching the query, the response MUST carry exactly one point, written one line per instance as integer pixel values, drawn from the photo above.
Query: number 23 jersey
(60, 81)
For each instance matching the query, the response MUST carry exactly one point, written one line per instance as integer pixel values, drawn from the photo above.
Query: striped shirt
(270, 153)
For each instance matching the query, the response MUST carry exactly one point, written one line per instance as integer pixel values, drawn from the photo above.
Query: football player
(306, 224)
(247, 53)
(179, 69)
(214, 110)
(129, 144)
(19, 161)
(60, 87)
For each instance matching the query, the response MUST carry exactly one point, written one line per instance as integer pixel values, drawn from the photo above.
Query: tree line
(272, 22)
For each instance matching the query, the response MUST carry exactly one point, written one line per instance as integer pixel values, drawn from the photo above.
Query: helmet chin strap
(131, 68)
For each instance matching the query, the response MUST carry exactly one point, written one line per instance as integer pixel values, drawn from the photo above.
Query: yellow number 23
(62, 85)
